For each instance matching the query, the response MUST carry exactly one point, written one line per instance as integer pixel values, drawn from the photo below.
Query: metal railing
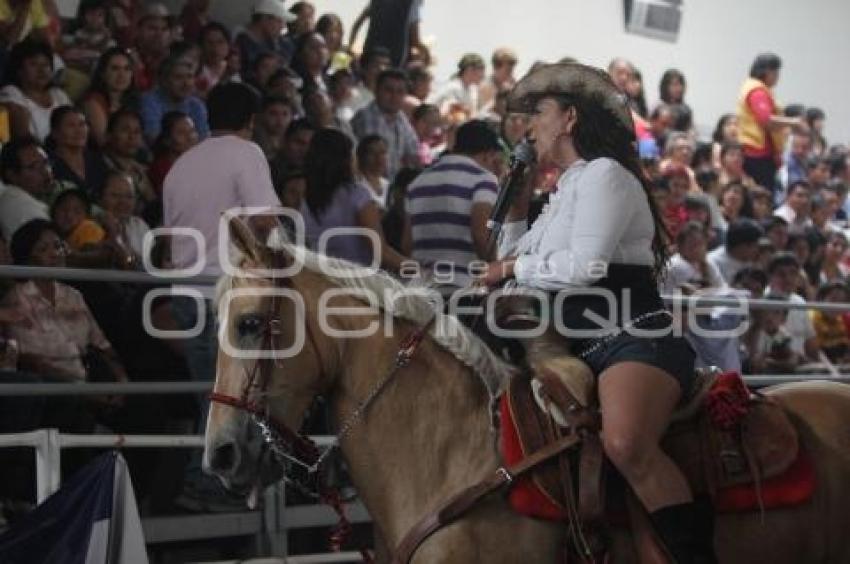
(100, 275)
(273, 523)
(48, 443)
(176, 388)
(136, 277)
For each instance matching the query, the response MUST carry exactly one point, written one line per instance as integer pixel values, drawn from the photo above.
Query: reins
(289, 446)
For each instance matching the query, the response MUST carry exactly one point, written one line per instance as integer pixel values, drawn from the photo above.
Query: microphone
(522, 157)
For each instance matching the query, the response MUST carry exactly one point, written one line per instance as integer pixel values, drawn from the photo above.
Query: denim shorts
(669, 352)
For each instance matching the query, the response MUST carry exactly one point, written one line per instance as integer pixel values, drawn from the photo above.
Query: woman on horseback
(598, 249)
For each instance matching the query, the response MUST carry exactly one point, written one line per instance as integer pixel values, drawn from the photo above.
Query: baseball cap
(470, 60)
(274, 8)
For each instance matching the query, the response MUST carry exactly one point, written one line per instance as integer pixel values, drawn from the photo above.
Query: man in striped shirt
(449, 204)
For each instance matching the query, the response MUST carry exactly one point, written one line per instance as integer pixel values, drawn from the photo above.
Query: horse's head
(267, 362)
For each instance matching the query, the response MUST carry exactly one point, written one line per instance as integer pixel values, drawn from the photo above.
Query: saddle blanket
(794, 487)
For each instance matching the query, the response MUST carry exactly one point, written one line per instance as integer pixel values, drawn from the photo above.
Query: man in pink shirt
(225, 171)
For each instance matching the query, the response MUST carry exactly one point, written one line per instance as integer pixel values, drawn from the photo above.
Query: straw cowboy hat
(572, 80)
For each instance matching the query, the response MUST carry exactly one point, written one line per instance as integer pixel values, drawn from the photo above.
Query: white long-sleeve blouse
(598, 216)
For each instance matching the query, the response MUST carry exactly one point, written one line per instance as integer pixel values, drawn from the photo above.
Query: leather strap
(464, 500)
(579, 417)
(591, 486)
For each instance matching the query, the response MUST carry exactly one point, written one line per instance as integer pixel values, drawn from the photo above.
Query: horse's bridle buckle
(502, 471)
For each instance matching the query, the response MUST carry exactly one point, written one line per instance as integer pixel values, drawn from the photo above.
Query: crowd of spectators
(102, 116)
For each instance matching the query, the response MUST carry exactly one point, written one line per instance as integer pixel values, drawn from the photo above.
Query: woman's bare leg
(636, 401)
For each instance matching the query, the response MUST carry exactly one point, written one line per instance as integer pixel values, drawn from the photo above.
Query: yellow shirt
(36, 19)
(830, 331)
(87, 232)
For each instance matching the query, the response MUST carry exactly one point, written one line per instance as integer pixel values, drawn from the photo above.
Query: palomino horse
(428, 432)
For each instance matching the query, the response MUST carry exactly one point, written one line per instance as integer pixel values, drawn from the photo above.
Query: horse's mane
(409, 303)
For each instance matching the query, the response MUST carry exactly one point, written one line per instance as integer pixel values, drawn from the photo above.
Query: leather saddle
(763, 445)
(557, 395)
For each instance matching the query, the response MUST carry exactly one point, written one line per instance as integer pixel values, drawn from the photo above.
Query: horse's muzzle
(223, 460)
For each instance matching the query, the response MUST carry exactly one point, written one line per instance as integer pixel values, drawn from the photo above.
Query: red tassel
(728, 401)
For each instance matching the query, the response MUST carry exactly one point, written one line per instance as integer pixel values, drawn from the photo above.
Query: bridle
(290, 447)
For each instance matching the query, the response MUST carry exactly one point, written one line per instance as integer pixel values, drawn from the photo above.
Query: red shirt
(641, 128)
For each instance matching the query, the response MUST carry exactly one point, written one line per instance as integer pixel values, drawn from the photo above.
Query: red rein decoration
(304, 449)
(342, 531)
(728, 401)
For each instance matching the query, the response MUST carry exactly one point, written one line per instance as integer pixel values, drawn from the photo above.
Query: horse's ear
(245, 242)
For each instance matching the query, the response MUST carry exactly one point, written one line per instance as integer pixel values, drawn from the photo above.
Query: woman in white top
(28, 91)
(601, 232)
(373, 165)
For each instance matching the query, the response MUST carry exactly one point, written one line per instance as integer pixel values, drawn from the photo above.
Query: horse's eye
(250, 325)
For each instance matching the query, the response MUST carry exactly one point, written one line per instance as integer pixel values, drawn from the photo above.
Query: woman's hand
(496, 272)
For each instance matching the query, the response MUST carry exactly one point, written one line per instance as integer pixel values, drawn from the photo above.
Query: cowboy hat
(571, 80)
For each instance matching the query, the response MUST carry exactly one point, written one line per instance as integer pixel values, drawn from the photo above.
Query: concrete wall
(717, 43)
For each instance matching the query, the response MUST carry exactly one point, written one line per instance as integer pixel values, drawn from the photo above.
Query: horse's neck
(426, 435)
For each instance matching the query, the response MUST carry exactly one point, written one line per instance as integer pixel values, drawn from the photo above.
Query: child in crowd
(91, 38)
(689, 271)
(832, 334)
(88, 243)
(71, 212)
(767, 345)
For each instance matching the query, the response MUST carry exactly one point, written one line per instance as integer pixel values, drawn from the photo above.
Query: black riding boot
(687, 531)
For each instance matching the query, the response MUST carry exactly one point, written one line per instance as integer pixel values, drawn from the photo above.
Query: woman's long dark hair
(639, 101)
(324, 24)
(297, 63)
(130, 98)
(328, 166)
(717, 136)
(664, 87)
(600, 133)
